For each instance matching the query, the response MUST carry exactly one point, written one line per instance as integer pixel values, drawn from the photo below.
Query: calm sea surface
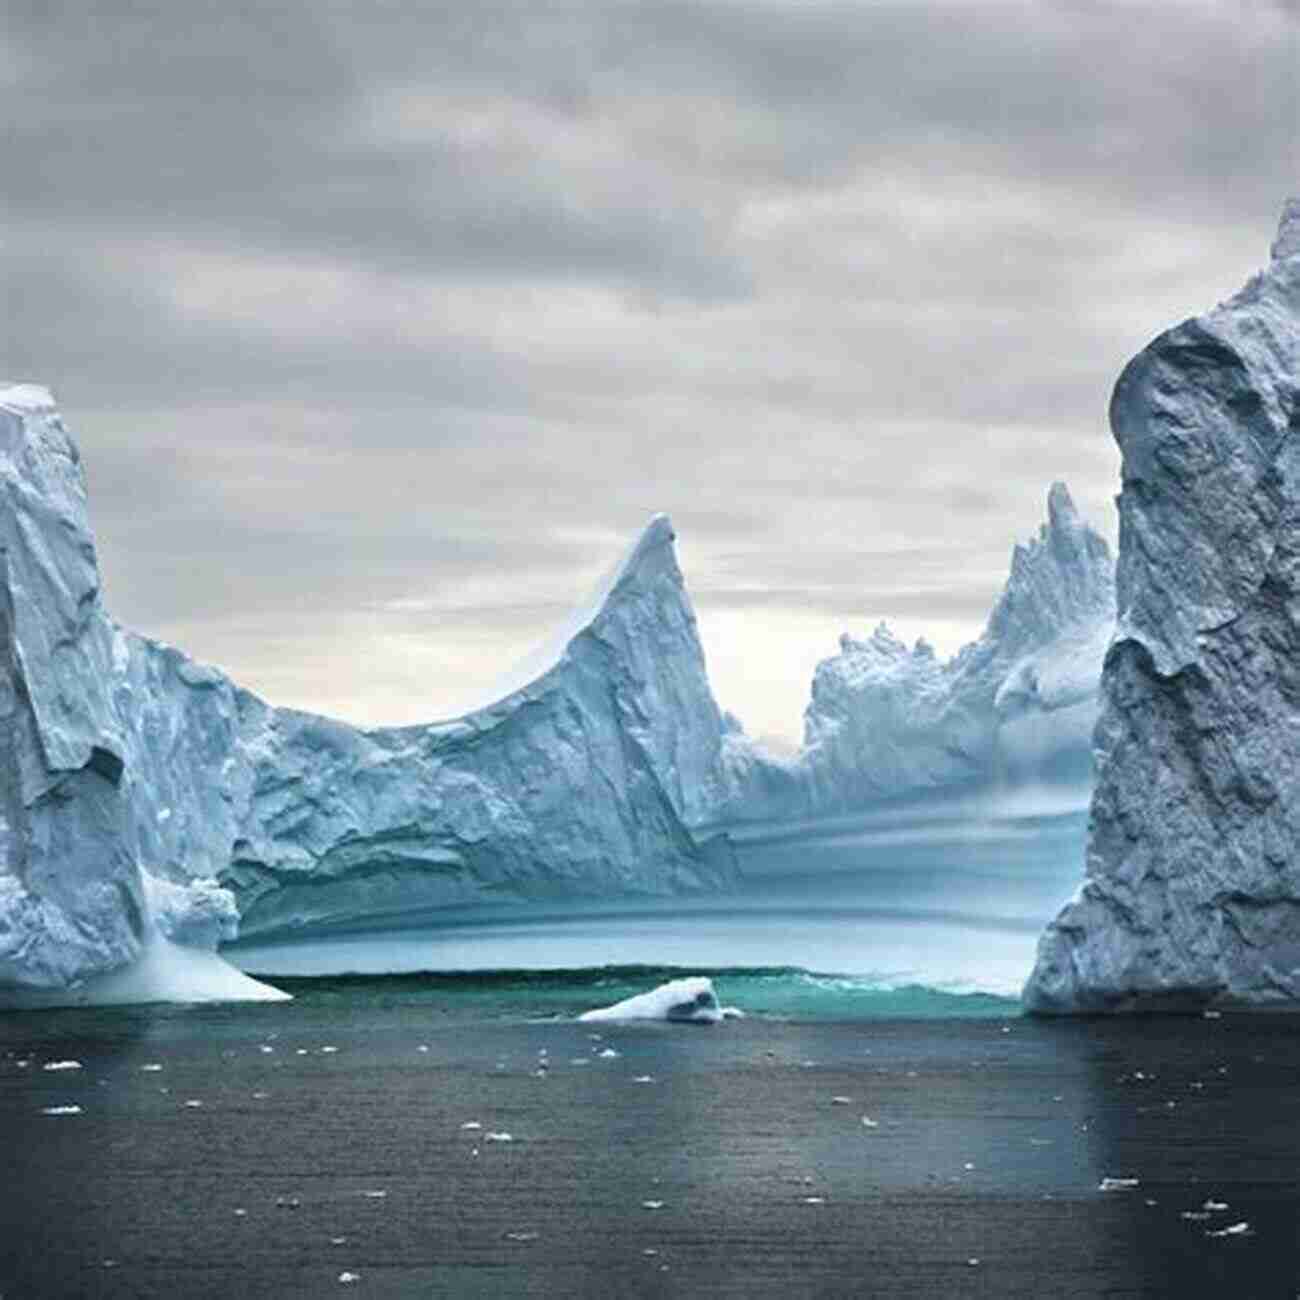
(428, 1118)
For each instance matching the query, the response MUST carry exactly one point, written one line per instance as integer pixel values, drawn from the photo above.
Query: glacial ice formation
(887, 722)
(691, 1000)
(1192, 889)
(146, 795)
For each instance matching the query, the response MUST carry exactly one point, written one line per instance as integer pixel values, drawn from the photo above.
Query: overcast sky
(383, 327)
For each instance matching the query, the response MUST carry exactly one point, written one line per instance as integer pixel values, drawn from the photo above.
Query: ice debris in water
(608, 1053)
(61, 1065)
(841, 1101)
(1117, 1184)
(1241, 1229)
(652, 1205)
(644, 1078)
(471, 1125)
(692, 1000)
(152, 1068)
(868, 1122)
(499, 1137)
(522, 1236)
(349, 1277)
(61, 1110)
(376, 1195)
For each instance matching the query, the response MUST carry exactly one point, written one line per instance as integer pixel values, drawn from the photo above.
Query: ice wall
(1192, 890)
(887, 721)
(146, 796)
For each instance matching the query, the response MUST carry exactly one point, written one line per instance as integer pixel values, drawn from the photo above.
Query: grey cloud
(859, 273)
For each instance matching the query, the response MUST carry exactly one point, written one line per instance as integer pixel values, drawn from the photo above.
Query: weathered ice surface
(1192, 890)
(891, 722)
(146, 797)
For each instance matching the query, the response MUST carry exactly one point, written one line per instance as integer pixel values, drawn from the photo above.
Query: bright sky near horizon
(384, 328)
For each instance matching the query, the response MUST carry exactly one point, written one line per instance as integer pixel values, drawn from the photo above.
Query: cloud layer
(383, 328)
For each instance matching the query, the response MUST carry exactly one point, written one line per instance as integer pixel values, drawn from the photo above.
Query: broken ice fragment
(61, 1110)
(1117, 1184)
(61, 1065)
(499, 1137)
(1241, 1229)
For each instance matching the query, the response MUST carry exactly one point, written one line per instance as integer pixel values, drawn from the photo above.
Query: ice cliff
(888, 721)
(1192, 889)
(147, 799)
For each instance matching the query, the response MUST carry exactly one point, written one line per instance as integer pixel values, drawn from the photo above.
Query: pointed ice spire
(1061, 511)
(1287, 243)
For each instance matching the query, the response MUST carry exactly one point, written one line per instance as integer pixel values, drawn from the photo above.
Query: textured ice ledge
(1192, 895)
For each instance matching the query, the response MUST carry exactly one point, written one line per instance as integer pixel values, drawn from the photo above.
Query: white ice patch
(164, 972)
(691, 1000)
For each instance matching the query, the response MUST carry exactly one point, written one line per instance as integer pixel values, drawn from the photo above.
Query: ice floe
(691, 1000)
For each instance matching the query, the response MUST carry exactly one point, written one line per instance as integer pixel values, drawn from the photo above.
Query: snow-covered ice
(691, 1000)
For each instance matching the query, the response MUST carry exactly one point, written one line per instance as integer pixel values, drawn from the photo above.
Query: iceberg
(1018, 706)
(691, 1000)
(1191, 895)
(147, 800)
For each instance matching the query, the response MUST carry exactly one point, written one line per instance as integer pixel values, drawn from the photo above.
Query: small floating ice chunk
(868, 1122)
(652, 1205)
(691, 1000)
(607, 1053)
(522, 1236)
(471, 1126)
(644, 1078)
(1214, 1205)
(240, 1212)
(327, 1050)
(61, 1065)
(193, 1103)
(375, 1194)
(1117, 1184)
(814, 1200)
(498, 1137)
(1241, 1229)
(841, 1101)
(152, 1068)
(61, 1110)
(345, 1277)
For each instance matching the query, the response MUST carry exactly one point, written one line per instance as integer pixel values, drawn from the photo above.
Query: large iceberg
(147, 797)
(1192, 890)
(887, 721)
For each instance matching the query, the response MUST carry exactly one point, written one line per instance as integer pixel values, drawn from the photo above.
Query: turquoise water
(924, 912)
(775, 992)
